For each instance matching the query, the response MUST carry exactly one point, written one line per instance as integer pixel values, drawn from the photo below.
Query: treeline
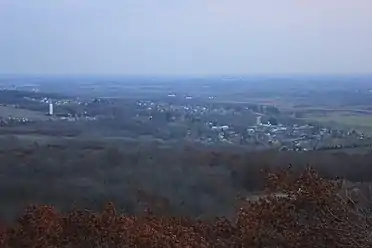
(195, 180)
(309, 212)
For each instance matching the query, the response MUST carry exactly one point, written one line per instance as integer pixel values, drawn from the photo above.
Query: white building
(220, 128)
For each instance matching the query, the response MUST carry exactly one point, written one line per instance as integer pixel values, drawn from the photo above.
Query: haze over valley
(185, 124)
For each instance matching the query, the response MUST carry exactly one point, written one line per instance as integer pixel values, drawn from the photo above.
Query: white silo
(258, 120)
(50, 107)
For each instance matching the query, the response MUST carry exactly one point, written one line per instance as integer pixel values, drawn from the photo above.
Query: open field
(355, 110)
(345, 119)
(275, 101)
(8, 111)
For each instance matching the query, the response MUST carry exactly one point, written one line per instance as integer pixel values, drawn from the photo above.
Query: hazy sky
(185, 36)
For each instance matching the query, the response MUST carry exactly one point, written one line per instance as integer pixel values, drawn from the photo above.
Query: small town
(255, 127)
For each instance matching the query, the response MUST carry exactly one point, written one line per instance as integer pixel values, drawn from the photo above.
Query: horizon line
(190, 75)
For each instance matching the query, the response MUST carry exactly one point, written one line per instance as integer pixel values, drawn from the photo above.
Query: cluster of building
(287, 137)
(182, 110)
(267, 135)
(64, 116)
(57, 102)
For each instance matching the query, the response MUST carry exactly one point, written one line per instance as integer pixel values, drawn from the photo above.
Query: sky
(182, 37)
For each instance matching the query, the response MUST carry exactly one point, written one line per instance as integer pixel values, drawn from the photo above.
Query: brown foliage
(297, 211)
